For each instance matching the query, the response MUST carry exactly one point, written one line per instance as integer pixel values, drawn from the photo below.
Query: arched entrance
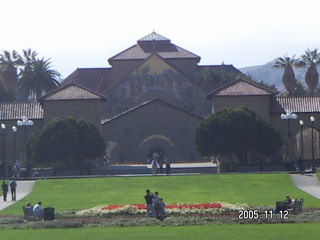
(159, 151)
(157, 144)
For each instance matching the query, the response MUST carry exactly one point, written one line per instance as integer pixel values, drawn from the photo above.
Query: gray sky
(81, 33)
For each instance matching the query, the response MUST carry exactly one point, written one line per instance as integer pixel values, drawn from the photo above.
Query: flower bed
(181, 208)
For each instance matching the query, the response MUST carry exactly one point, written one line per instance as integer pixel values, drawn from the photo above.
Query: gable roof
(143, 62)
(16, 110)
(148, 103)
(240, 87)
(72, 92)
(153, 43)
(90, 78)
(296, 104)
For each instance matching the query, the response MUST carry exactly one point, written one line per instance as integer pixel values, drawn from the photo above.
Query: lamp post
(14, 130)
(25, 122)
(301, 139)
(312, 144)
(3, 167)
(289, 116)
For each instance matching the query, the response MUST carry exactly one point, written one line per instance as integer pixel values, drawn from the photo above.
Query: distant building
(153, 97)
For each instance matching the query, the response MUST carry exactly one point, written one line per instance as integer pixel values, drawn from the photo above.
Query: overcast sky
(81, 33)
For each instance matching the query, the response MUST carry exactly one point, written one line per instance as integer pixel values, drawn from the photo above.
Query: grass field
(295, 231)
(253, 189)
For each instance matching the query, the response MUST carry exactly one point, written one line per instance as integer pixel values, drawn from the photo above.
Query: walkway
(23, 189)
(308, 183)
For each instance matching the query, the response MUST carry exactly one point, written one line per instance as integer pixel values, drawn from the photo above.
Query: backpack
(13, 184)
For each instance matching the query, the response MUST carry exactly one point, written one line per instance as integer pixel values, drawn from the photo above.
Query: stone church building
(151, 99)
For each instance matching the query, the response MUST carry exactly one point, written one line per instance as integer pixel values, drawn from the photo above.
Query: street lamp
(25, 122)
(289, 116)
(14, 130)
(3, 167)
(312, 144)
(301, 139)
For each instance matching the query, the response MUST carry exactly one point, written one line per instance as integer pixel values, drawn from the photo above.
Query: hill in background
(271, 75)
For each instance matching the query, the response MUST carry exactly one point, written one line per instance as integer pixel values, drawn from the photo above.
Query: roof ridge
(146, 103)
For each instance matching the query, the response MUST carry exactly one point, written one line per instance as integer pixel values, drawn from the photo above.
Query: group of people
(13, 188)
(37, 210)
(157, 164)
(155, 205)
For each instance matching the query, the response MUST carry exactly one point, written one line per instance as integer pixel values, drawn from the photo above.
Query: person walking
(154, 166)
(5, 190)
(149, 201)
(168, 166)
(13, 188)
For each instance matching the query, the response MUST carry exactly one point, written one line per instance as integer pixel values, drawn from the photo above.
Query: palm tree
(38, 78)
(310, 59)
(9, 63)
(288, 79)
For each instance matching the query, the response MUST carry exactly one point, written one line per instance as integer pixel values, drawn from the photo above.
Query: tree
(310, 59)
(237, 133)
(5, 96)
(37, 77)
(9, 63)
(69, 142)
(288, 79)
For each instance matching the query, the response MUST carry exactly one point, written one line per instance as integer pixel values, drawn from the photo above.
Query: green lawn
(294, 231)
(253, 189)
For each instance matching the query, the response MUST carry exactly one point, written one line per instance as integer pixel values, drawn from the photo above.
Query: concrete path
(308, 183)
(23, 189)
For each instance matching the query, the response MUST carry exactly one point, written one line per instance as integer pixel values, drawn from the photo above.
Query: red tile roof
(240, 87)
(91, 78)
(153, 43)
(72, 91)
(297, 104)
(16, 110)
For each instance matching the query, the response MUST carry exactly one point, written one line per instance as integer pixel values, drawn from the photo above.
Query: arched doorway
(157, 144)
(159, 151)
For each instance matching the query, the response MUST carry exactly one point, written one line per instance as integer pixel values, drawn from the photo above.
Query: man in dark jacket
(5, 189)
(149, 201)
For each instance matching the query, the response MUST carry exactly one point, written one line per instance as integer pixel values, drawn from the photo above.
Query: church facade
(152, 98)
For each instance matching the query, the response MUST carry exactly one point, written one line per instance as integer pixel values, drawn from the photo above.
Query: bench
(28, 213)
(296, 207)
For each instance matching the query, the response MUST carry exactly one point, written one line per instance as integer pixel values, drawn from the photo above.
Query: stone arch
(159, 143)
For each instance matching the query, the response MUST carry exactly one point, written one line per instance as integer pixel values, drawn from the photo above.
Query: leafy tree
(9, 63)
(288, 79)
(237, 133)
(217, 77)
(37, 77)
(5, 96)
(70, 142)
(310, 59)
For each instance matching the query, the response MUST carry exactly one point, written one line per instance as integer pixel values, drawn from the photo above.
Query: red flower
(169, 206)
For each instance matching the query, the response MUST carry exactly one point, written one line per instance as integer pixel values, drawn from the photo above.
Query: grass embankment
(300, 231)
(252, 189)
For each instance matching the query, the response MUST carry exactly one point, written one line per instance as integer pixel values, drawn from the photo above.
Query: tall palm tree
(38, 78)
(288, 79)
(9, 63)
(310, 59)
